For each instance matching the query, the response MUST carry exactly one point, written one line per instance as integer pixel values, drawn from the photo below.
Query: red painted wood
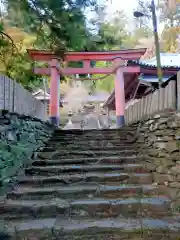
(86, 64)
(119, 92)
(129, 54)
(72, 71)
(54, 89)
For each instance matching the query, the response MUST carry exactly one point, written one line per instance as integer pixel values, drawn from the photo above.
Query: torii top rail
(118, 68)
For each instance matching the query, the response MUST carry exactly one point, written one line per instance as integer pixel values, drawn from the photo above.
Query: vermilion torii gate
(118, 68)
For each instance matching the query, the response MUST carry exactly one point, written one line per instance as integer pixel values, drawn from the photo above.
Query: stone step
(84, 208)
(127, 160)
(94, 229)
(83, 191)
(117, 139)
(93, 177)
(85, 154)
(92, 143)
(94, 134)
(56, 169)
(72, 147)
(92, 137)
(128, 207)
(51, 156)
(90, 160)
(79, 132)
(89, 153)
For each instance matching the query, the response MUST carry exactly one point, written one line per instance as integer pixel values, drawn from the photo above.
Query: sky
(128, 6)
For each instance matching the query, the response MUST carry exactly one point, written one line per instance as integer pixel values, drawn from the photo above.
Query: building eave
(152, 66)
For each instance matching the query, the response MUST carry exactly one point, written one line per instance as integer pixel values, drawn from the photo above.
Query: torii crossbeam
(118, 68)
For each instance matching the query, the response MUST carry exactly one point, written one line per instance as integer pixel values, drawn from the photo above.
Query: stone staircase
(90, 185)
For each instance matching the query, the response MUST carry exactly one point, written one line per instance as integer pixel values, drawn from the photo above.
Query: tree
(115, 35)
(60, 24)
(105, 82)
(170, 39)
(169, 15)
(144, 7)
(14, 60)
(114, 32)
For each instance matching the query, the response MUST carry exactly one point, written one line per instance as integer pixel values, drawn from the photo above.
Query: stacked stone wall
(158, 141)
(20, 137)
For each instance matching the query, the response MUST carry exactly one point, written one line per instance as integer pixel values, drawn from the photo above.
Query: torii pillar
(54, 114)
(119, 94)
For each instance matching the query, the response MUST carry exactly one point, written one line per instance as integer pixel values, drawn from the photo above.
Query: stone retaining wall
(20, 137)
(159, 143)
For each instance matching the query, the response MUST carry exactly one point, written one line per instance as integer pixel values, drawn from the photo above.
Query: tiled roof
(168, 60)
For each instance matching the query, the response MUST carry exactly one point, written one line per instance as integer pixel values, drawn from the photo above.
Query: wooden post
(54, 93)
(178, 91)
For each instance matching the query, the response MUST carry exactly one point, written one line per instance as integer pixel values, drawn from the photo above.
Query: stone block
(165, 132)
(164, 138)
(163, 154)
(175, 156)
(162, 178)
(152, 152)
(157, 116)
(162, 126)
(11, 135)
(166, 162)
(160, 145)
(150, 166)
(173, 124)
(4, 121)
(161, 169)
(149, 122)
(162, 120)
(175, 185)
(175, 169)
(172, 146)
(153, 127)
(177, 177)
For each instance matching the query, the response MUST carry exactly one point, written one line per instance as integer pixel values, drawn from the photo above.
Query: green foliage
(169, 39)
(107, 83)
(58, 24)
(113, 33)
(14, 60)
(5, 39)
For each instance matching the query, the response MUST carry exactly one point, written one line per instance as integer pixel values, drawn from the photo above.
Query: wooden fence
(159, 101)
(14, 98)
